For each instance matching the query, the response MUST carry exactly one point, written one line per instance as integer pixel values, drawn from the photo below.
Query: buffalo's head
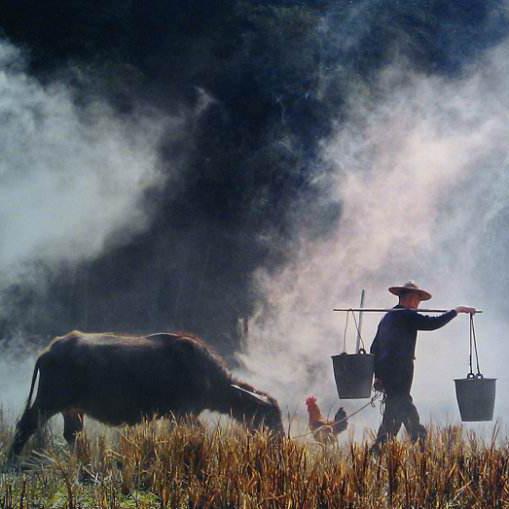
(257, 409)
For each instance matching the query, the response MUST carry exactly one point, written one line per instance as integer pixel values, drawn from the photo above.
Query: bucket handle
(361, 351)
(472, 376)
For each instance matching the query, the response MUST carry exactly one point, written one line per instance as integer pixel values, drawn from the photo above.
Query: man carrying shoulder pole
(394, 351)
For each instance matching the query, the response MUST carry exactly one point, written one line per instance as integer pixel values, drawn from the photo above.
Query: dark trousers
(399, 407)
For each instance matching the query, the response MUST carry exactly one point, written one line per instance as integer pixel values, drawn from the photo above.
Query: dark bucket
(476, 397)
(353, 374)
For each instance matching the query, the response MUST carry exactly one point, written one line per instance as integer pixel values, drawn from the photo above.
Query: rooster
(325, 431)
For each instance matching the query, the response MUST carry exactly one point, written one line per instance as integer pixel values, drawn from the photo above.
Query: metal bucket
(476, 397)
(354, 374)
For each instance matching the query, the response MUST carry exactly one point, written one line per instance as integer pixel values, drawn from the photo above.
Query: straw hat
(410, 286)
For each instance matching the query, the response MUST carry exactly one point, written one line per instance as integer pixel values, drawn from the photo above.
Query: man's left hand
(466, 309)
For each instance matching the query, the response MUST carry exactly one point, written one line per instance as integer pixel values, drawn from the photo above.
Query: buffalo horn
(258, 397)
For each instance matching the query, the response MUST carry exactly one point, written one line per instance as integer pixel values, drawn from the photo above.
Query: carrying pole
(358, 345)
(383, 310)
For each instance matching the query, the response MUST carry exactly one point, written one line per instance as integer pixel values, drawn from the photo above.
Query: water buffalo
(121, 379)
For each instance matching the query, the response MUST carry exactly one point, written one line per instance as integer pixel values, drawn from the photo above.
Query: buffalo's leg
(73, 424)
(30, 421)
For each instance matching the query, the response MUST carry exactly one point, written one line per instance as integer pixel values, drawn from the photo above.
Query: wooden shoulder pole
(383, 310)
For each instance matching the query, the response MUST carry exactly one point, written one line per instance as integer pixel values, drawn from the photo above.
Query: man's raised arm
(423, 322)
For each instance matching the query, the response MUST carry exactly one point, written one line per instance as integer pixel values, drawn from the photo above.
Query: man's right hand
(465, 309)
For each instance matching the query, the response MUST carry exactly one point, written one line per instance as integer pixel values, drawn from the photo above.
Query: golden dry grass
(159, 464)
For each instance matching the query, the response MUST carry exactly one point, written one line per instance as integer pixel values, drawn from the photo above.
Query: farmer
(394, 350)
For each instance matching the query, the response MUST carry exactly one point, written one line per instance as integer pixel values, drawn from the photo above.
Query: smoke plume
(69, 177)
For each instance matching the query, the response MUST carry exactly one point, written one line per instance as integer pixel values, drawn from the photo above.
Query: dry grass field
(163, 465)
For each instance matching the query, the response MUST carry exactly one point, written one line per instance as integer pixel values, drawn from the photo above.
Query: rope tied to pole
(357, 326)
(473, 343)
(345, 331)
(357, 329)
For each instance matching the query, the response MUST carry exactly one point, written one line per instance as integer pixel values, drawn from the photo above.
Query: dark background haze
(258, 85)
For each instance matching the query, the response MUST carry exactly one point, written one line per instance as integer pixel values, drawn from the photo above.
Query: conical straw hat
(410, 286)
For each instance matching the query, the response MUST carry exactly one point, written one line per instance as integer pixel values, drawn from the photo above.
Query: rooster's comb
(310, 400)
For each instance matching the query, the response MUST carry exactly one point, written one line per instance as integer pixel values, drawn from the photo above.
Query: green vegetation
(160, 464)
